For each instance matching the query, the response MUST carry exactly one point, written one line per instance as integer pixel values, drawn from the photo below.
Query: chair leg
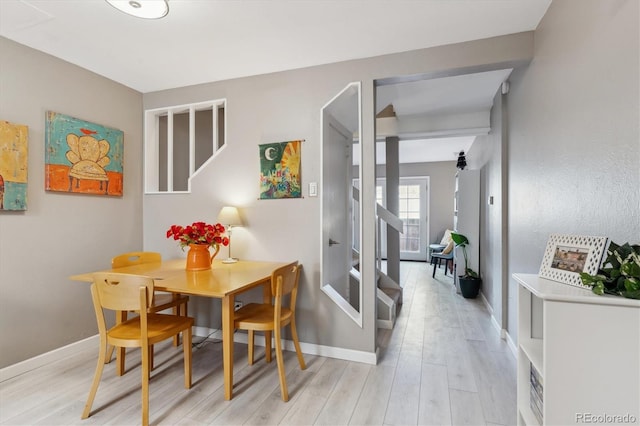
(121, 316)
(296, 343)
(435, 265)
(267, 345)
(145, 383)
(120, 353)
(187, 351)
(176, 311)
(280, 361)
(150, 359)
(110, 350)
(96, 379)
(250, 344)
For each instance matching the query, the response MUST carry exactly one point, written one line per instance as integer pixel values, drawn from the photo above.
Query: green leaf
(631, 294)
(471, 273)
(632, 284)
(459, 239)
(598, 289)
(614, 273)
(619, 284)
(592, 280)
(631, 266)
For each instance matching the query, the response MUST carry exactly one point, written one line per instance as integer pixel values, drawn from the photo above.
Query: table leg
(227, 345)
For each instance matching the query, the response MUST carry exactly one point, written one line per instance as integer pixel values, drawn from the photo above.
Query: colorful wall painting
(13, 166)
(82, 157)
(280, 170)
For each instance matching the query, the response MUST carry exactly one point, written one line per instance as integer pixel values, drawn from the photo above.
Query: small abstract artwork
(82, 157)
(280, 170)
(13, 166)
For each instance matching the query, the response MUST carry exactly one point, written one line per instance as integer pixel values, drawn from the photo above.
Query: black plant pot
(469, 287)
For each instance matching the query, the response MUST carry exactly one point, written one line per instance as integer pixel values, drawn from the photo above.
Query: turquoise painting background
(60, 125)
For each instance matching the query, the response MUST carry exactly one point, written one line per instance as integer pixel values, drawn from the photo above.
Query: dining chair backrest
(135, 258)
(284, 280)
(122, 292)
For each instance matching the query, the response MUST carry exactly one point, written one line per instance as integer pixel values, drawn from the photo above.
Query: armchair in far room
(439, 247)
(445, 253)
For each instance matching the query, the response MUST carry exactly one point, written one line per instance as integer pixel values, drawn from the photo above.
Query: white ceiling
(202, 41)
(436, 98)
(209, 40)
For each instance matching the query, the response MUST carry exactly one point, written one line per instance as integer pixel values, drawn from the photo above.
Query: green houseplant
(620, 274)
(470, 281)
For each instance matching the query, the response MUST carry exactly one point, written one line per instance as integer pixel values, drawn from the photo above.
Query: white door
(413, 208)
(413, 213)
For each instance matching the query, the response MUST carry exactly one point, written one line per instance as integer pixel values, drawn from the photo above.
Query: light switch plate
(313, 189)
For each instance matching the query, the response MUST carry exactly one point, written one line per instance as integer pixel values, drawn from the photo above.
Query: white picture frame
(566, 256)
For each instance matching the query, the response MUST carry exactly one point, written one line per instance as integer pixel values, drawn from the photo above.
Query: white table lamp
(229, 217)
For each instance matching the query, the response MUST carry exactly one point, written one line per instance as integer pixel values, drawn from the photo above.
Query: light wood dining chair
(125, 292)
(161, 300)
(274, 316)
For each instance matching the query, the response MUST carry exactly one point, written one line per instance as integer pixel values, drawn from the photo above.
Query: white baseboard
(14, 370)
(19, 368)
(512, 345)
(503, 333)
(307, 348)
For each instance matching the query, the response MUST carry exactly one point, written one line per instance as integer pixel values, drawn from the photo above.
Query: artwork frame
(280, 170)
(83, 157)
(566, 256)
(14, 153)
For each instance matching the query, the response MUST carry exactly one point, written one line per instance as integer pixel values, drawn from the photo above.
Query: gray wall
(284, 106)
(574, 150)
(61, 234)
(486, 155)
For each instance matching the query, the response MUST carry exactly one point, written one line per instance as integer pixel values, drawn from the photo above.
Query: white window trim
(152, 149)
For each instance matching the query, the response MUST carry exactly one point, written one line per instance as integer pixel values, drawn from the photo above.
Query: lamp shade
(147, 9)
(229, 216)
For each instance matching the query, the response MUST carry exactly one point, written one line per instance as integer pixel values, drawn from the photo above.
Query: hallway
(450, 365)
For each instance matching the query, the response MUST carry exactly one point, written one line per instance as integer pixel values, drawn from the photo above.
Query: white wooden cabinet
(466, 219)
(586, 349)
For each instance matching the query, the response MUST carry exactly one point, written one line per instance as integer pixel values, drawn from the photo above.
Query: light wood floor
(443, 364)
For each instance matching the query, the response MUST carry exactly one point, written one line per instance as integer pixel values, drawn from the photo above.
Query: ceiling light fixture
(147, 9)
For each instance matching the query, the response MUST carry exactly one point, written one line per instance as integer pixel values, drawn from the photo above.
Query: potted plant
(620, 274)
(469, 282)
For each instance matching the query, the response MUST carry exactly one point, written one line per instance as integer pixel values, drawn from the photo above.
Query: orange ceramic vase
(198, 257)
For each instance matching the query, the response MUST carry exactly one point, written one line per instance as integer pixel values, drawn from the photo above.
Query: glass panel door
(413, 212)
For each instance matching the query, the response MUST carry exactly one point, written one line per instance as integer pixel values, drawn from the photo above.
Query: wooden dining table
(223, 281)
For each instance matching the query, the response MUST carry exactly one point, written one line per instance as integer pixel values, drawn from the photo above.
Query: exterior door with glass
(413, 208)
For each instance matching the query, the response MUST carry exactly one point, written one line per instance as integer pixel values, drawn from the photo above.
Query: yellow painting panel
(13, 151)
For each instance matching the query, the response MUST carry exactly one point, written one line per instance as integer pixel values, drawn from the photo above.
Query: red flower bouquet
(198, 233)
